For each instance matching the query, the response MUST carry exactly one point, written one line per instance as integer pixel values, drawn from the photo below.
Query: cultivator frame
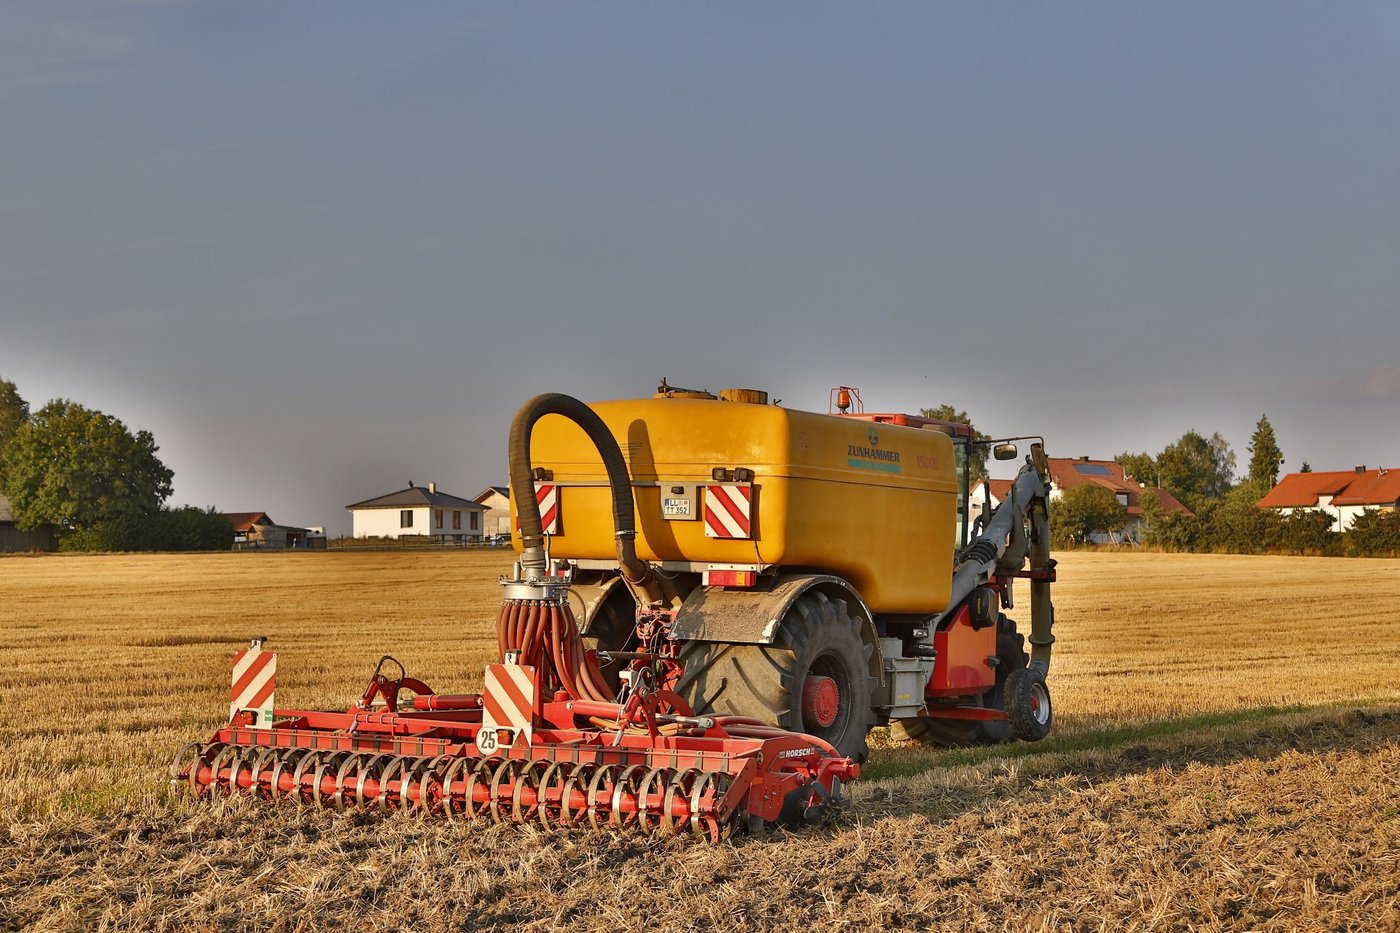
(715, 774)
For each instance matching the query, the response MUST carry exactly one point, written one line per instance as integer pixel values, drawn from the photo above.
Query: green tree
(73, 468)
(189, 529)
(1307, 531)
(976, 453)
(1374, 533)
(1170, 531)
(14, 411)
(1237, 526)
(1141, 467)
(1197, 469)
(1082, 511)
(1305, 468)
(1150, 508)
(1264, 457)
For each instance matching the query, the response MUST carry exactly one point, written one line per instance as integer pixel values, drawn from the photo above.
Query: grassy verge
(893, 761)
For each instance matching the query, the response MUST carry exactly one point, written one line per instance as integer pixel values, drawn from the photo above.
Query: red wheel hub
(821, 700)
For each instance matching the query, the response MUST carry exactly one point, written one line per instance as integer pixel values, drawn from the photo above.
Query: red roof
(1301, 490)
(1374, 487)
(243, 522)
(1000, 488)
(1067, 473)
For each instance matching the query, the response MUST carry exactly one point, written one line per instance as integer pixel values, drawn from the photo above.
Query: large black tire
(959, 733)
(817, 636)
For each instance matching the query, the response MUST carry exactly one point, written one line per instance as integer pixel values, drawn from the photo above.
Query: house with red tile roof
(1343, 494)
(1068, 473)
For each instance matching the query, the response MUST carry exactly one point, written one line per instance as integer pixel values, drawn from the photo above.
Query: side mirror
(1006, 451)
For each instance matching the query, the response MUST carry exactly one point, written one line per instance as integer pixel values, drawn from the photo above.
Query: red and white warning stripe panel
(547, 495)
(729, 511)
(254, 683)
(507, 703)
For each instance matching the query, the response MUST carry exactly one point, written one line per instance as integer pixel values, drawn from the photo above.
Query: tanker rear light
(734, 578)
(736, 475)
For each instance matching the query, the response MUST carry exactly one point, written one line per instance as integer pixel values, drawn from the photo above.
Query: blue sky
(323, 249)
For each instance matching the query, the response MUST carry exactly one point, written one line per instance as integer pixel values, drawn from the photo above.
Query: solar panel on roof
(1091, 469)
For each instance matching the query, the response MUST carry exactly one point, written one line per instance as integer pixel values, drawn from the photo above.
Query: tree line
(98, 485)
(1199, 472)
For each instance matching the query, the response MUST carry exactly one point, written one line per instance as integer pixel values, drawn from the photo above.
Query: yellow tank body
(870, 502)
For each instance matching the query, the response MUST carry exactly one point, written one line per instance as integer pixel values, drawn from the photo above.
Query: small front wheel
(1028, 709)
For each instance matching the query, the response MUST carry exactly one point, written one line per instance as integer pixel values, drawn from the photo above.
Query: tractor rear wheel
(814, 678)
(1011, 657)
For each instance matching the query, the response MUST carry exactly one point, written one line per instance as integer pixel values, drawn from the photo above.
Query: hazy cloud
(1381, 384)
(58, 43)
(355, 236)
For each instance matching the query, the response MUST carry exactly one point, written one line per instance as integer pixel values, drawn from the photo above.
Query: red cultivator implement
(547, 741)
(523, 751)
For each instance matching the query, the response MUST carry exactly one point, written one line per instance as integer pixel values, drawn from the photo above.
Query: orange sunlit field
(1225, 755)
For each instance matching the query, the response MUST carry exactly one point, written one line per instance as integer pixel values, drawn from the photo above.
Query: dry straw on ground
(1226, 756)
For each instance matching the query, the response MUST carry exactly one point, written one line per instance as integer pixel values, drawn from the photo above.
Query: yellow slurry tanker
(716, 598)
(815, 571)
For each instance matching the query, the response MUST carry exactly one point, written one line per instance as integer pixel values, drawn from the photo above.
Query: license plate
(677, 507)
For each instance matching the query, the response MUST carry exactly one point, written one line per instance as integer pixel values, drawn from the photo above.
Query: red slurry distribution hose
(546, 636)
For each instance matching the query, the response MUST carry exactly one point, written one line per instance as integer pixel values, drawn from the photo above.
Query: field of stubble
(1227, 755)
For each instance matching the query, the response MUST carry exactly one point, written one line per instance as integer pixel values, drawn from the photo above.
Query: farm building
(418, 510)
(1342, 494)
(12, 539)
(496, 519)
(1067, 473)
(254, 531)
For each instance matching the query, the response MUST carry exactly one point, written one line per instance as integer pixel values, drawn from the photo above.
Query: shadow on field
(944, 784)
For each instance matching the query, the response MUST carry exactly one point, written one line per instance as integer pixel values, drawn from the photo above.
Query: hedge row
(182, 529)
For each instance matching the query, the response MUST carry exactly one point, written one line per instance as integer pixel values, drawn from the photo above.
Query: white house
(1344, 495)
(496, 520)
(418, 510)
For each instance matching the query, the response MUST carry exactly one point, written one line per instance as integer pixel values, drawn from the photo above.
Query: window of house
(456, 518)
(437, 518)
(1122, 498)
(474, 518)
(406, 518)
